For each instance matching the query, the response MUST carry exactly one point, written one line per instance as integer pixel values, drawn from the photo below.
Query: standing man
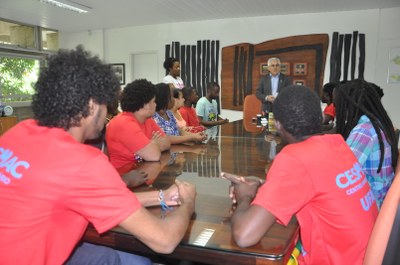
(133, 135)
(315, 177)
(207, 107)
(52, 185)
(271, 84)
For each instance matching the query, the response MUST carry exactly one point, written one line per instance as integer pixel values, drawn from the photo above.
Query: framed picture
(394, 66)
(285, 68)
(300, 82)
(264, 69)
(119, 69)
(300, 69)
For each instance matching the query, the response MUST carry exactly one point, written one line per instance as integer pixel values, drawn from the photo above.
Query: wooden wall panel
(240, 71)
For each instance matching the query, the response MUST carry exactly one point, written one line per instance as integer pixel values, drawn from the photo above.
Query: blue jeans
(89, 254)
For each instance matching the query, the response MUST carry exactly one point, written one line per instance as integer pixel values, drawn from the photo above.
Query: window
(23, 48)
(18, 35)
(18, 76)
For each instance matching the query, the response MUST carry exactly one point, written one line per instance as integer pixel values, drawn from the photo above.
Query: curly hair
(66, 85)
(359, 97)
(298, 109)
(163, 96)
(136, 94)
(169, 62)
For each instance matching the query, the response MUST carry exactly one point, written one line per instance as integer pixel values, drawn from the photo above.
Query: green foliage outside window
(17, 78)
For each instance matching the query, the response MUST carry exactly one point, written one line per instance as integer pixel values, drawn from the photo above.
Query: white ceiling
(106, 14)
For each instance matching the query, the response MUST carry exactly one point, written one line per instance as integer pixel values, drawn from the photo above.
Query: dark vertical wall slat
(361, 61)
(335, 37)
(198, 68)
(216, 61)
(212, 61)
(339, 58)
(183, 64)
(177, 54)
(353, 54)
(187, 63)
(167, 54)
(193, 66)
(241, 72)
(203, 69)
(235, 75)
(249, 86)
(347, 43)
(208, 61)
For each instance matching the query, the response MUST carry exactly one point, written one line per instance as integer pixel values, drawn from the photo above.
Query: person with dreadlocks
(315, 177)
(365, 125)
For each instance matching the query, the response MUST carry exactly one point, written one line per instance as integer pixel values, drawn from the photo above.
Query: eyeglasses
(275, 65)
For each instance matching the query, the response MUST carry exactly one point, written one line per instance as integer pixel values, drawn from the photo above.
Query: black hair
(176, 92)
(187, 92)
(298, 110)
(66, 85)
(359, 97)
(169, 62)
(328, 88)
(212, 85)
(136, 94)
(163, 96)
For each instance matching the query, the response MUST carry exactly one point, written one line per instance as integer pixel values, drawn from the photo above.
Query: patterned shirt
(363, 141)
(169, 127)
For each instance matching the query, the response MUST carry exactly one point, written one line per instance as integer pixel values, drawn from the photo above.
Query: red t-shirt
(51, 187)
(125, 135)
(321, 182)
(330, 110)
(189, 115)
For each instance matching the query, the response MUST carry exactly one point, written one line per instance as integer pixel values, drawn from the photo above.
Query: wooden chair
(384, 243)
(251, 107)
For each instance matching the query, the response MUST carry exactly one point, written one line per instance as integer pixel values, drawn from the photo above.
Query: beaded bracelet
(164, 206)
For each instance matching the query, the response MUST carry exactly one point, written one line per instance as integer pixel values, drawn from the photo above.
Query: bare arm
(187, 137)
(162, 141)
(211, 123)
(163, 235)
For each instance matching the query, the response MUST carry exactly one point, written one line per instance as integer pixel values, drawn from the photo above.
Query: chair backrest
(384, 243)
(251, 106)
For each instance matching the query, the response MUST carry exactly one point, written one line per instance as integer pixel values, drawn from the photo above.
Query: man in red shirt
(133, 134)
(315, 177)
(52, 185)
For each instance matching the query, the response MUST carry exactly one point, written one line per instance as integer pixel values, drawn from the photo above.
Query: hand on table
(242, 186)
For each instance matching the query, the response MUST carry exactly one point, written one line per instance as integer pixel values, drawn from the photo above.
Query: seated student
(178, 103)
(327, 97)
(207, 107)
(360, 115)
(166, 120)
(133, 135)
(315, 177)
(188, 112)
(52, 185)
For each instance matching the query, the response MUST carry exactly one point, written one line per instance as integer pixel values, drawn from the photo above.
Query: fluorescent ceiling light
(81, 9)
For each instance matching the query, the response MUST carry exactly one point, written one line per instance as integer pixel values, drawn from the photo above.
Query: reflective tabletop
(238, 147)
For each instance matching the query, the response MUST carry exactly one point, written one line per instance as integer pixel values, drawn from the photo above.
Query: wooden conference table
(238, 147)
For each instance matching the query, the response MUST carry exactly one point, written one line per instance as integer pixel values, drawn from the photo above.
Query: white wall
(380, 27)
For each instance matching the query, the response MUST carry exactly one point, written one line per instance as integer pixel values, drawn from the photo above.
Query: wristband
(164, 206)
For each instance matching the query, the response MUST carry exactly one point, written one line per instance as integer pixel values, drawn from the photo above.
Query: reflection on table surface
(228, 148)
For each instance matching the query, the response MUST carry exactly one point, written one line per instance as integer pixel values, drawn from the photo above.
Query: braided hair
(359, 97)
